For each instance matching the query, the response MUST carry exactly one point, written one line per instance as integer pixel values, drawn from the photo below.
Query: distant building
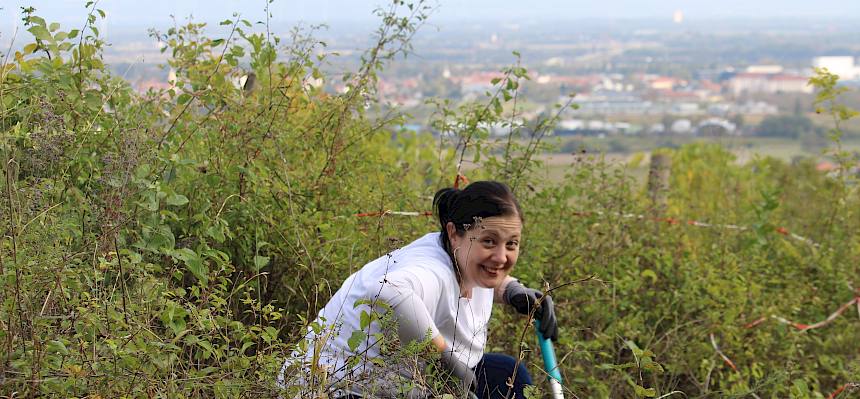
(720, 109)
(682, 126)
(716, 127)
(790, 84)
(765, 69)
(478, 82)
(606, 103)
(757, 108)
(684, 108)
(754, 82)
(571, 124)
(657, 128)
(840, 65)
(664, 83)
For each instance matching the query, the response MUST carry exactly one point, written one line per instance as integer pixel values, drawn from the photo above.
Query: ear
(452, 232)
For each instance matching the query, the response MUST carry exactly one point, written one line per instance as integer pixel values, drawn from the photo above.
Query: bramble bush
(177, 243)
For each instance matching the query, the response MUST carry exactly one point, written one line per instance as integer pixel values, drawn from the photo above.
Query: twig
(805, 327)
(121, 278)
(722, 355)
(850, 385)
(670, 394)
(582, 280)
(24, 227)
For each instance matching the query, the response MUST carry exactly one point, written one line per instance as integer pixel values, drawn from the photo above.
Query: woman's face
(487, 252)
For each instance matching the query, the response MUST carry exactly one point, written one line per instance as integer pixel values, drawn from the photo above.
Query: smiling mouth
(492, 270)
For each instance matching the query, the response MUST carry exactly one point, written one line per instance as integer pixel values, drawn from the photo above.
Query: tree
(792, 126)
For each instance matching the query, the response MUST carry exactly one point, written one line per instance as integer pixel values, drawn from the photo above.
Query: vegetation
(792, 126)
(178, 243)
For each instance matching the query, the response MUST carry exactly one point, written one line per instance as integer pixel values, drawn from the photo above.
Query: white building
(766, 69)
(682, 126)
(768, 83)
(840, 65)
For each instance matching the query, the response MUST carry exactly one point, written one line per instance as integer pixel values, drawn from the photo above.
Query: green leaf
(497, 106)
(356, 339)
(531, 392)
(194, 263)
(177, 200)
(55, 346)
(39, 32)
(260, 262)
(39, 21)
(649, 274)
(800, 389)
(652, 366)
(365, 320)
(646, 392)
(157, 238)
(270, 334)
(609, 366)
(173, 317)
(635, 348)
(216, 232)
(183, 99)
(93, 99)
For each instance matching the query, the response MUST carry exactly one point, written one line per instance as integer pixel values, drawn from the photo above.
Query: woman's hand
(524, 299)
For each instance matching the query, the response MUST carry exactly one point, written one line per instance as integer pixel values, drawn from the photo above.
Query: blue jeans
(493, 371)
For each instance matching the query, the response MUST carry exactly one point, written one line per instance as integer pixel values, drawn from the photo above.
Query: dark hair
(481, 199)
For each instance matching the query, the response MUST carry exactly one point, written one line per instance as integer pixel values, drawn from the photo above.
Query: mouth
(492, 271)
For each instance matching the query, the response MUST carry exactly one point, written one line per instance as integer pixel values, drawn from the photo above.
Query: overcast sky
(149, 13)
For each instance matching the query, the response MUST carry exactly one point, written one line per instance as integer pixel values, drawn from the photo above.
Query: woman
(442, 287)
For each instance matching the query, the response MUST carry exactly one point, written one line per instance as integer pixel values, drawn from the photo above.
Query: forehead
(504, 225)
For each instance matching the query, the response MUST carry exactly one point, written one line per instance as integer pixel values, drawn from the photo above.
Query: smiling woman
(442, 287)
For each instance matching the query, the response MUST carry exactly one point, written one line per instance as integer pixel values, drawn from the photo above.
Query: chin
(492, 284)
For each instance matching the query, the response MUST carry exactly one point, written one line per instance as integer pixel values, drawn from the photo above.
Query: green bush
(178, 243)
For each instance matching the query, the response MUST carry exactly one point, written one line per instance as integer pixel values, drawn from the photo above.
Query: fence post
(658, 182)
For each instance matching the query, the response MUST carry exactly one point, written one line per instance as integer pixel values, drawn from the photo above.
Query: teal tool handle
(548, 352)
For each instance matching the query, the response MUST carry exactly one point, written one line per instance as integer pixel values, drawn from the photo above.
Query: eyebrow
(496, 233)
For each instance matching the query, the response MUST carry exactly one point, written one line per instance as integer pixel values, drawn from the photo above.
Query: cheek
(512, 260)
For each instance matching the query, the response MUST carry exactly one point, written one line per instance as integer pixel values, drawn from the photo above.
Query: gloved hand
(468, 379)
(523, 299)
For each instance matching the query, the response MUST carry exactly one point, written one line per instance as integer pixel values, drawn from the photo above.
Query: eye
(513, 244)
(489, 241)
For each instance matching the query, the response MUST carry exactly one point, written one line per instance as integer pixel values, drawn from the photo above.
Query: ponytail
(445, 200)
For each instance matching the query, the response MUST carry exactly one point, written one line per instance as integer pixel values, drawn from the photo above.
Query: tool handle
(550, 364)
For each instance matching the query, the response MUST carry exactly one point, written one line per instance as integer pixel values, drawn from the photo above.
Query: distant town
(662, 78)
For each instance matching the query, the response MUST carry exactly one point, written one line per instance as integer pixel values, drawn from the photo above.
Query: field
(179, 243)
(637, 151)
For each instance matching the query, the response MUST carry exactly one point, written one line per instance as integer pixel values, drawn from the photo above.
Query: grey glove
(523, 299)
(468, 379)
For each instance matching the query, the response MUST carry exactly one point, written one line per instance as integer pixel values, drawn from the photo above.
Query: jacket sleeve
(408, 294)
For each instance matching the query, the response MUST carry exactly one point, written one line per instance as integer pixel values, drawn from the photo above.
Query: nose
(500, 255)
